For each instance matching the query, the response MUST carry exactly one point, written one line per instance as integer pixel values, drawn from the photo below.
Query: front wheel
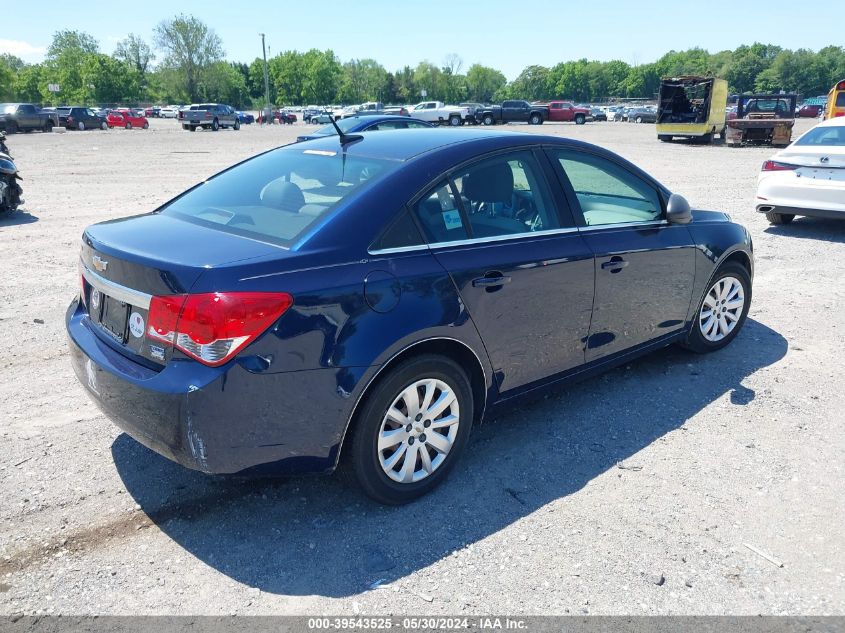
(666, 138)
(579, 119)
(80, 126)
(48, 126)
(146, 126)
(722, 311)
(535, 119)
(412, 429)
(779, 218)
(105, 126)
(128, 126)
(639, 119)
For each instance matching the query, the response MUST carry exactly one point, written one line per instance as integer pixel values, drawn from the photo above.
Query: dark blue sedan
(373, 297)
(245, 117)
(367, 123)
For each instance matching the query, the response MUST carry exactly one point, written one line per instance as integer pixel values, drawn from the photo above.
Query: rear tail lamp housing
(772, 165)
(213, 327)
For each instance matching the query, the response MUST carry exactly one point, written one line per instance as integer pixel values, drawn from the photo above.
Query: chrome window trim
(623, 225)
(116, 291)
(398, 249)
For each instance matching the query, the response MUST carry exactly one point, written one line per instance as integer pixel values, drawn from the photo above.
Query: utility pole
(266, 83)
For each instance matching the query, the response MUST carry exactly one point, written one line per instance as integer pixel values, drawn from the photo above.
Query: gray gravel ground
(577, 503)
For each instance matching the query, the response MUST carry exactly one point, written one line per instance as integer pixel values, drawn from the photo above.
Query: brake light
(840, 85)
(213, 327)
(207, 114)
(836, 114)
(771, 165)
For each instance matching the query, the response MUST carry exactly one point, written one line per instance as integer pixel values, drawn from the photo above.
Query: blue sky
(507, 34)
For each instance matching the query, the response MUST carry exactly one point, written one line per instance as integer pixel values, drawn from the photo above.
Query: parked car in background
(79, 118)
(441, 113)
(476, 111)
(396, 111)
(25, 117)
(613, 112)
(807, 178)
(691, 107)
(809, 111)
(284, 117)
(152, 112)
(321, 118)
(168, 112)
(566, 111)
(245, 117)
(127, 119)
(644, 114)
(598, 114)
(377, 302)
(367, 123)
(211, 116)
(515, 111)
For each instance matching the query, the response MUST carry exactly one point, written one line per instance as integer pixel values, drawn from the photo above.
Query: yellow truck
(692, 107)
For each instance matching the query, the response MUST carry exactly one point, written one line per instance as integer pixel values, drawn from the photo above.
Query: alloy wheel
(721, 309)
(418, 430)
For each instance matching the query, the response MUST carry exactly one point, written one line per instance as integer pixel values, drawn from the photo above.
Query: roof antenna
(345, 139)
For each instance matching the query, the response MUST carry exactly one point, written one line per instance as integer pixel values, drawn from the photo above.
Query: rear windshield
(824, 135)
(278, 196)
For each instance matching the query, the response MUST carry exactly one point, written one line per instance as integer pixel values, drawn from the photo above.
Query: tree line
(184, 62)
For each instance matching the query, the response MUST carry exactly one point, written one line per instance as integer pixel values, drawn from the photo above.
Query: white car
(168, 113)
(807, 178)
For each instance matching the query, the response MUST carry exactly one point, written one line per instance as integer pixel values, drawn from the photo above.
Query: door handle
(614, 265)
(490, 282)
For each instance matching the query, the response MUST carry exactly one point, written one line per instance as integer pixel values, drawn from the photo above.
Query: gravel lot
(637, 492)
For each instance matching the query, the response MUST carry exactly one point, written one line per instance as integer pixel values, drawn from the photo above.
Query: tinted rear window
(278, 196)
(824, 135)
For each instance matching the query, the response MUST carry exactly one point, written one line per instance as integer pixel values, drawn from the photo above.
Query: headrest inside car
(489, 183)
(284, 195)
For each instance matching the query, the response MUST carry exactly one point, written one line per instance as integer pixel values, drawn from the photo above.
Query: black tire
(535, 119)
(237, 125)
(105, 126)
(454, 120)
(664, 137)
(580, 119)
(363, 450)
(779, 218)
(215, 125)
(488, 119)
(48, 126)
(695, 339)
(11, 127)
(146, 126)
(128, 125)
(723, 134)
(639, 119)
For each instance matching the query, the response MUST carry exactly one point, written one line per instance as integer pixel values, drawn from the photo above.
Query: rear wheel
(48, 126)
(488, 119)
(146, 125)
(723, 309)
(454, 120)
(639, 119)
(128, 125)
(237, 125)
(80, 126)
(779, 218)
(215, 125)
(412, 429)
(105, 126)
(664, 137)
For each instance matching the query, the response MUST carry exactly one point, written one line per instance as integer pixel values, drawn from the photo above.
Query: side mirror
(678, 210)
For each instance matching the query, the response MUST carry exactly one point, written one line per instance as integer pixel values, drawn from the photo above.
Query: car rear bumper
(807, 195)
(223, 420)
(763, 207)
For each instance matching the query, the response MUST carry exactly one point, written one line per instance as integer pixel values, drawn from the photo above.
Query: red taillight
(771, 165)
(70, 119)
(213, 327)
(836, 114)
(207, 114)
(840, 85)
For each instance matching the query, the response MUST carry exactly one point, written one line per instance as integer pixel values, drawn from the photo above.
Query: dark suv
(79, 118)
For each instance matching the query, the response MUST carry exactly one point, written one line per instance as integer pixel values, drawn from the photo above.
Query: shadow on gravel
(18, 217)
(322, 536)
(811, 229)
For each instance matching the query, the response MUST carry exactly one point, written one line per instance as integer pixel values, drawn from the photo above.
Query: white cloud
(24, 50)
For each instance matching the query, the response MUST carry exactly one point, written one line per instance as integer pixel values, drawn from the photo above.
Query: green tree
(428, 77)
(110, 81)
(66, 57)
(531, 84)
(287, 75)
(190, 48)
(27, 86)
(483, 82)
(136, 52)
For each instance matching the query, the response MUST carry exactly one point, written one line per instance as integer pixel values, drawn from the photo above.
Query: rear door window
(440, 215)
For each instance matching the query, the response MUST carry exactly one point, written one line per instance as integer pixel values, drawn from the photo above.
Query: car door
(27, 117)
(644, 266)
(521, 267)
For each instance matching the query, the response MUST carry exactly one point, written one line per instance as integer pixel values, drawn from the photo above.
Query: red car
(811, 111)
(567, 111)
(127, 119)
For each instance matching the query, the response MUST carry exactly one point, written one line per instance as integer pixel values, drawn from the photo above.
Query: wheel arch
(458, 351)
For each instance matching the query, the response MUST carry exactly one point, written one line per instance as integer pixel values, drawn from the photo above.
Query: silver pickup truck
(211, 116)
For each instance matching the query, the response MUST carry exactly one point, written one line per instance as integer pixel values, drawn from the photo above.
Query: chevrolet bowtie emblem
(100, 264)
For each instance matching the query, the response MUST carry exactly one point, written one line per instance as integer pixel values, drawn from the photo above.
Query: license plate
(114, 317)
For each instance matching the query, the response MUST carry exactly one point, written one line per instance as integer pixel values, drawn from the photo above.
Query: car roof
(403, 145)
(834, 122)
